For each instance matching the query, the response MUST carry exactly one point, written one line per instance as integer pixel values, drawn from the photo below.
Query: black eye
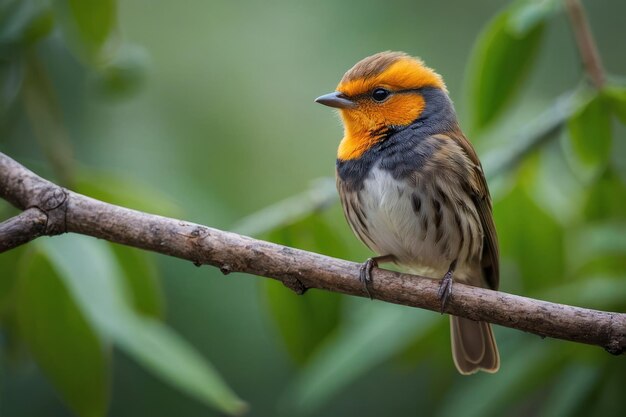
(380, 94)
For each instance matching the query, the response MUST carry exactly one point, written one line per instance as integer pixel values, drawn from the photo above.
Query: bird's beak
(336, 99)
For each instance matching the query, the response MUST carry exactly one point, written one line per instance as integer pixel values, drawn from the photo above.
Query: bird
(413, 189)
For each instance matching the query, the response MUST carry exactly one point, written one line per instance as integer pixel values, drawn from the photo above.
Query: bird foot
(365, 274)
(445, 289)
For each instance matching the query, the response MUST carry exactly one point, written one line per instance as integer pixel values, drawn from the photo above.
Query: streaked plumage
(412, 187)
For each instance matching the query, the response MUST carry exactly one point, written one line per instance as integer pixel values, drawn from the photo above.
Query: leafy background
(203, 110)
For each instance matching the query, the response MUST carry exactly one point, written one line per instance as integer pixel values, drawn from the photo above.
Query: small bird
(413, 190)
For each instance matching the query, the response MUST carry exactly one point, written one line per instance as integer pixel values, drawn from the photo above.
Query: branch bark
(23, 228)
(299, 270)
(586, 43)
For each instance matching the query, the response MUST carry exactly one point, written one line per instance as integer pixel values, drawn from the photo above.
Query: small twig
(236, 253)
(536, 133)
(318, 197)
(23, 228)
(42, 108)
(586, 43)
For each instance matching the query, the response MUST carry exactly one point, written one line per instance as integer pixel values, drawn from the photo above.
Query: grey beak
(335, 99)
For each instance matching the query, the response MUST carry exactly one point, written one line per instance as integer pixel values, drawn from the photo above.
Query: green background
(204, 111)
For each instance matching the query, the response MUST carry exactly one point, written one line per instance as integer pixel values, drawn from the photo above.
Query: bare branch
(586, 43)
(23, 228)
(298, 269)
(536, 133)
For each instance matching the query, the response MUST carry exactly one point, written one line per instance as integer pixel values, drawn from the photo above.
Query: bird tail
(473, 346)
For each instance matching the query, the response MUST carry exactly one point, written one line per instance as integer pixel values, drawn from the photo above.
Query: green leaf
(595, 240)
(319, 196)
(159, 349)
(617, 97)
(590, 134)
(61, 340)
(560, 194)
(501, 60)
(606, 198)
(121, 190)
(305, 321)
(94, 279)
(314, 232)
(571, 391)
(9, 266)
(533, 250)
(87, 25)
(525, 370)
(94, 19)
(11, 78)
(599, 292)
(377, 332)
(540, 129)
(142, 280)
(528, 13)
(24, 22)
(124, 74)
(608, 400)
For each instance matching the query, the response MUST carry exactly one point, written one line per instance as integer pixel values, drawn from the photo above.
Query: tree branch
(586, 43)
(537, 132)
(297, 269)
(23, 228)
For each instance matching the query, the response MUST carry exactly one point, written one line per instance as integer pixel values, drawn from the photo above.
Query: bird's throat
(352, 145)
(361, 132)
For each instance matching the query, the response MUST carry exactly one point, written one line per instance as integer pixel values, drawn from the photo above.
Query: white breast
(396, 227)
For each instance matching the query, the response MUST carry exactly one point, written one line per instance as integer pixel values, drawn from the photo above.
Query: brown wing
(482, 199)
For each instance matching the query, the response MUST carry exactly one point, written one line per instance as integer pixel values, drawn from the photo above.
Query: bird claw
(445, 290)
(365, 274)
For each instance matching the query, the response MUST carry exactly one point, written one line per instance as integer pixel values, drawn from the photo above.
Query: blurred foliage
(504, 54)
(78, 362)
(213, 113)
(593, 121)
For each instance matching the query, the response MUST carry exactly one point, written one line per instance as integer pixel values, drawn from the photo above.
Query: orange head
(379, 93)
